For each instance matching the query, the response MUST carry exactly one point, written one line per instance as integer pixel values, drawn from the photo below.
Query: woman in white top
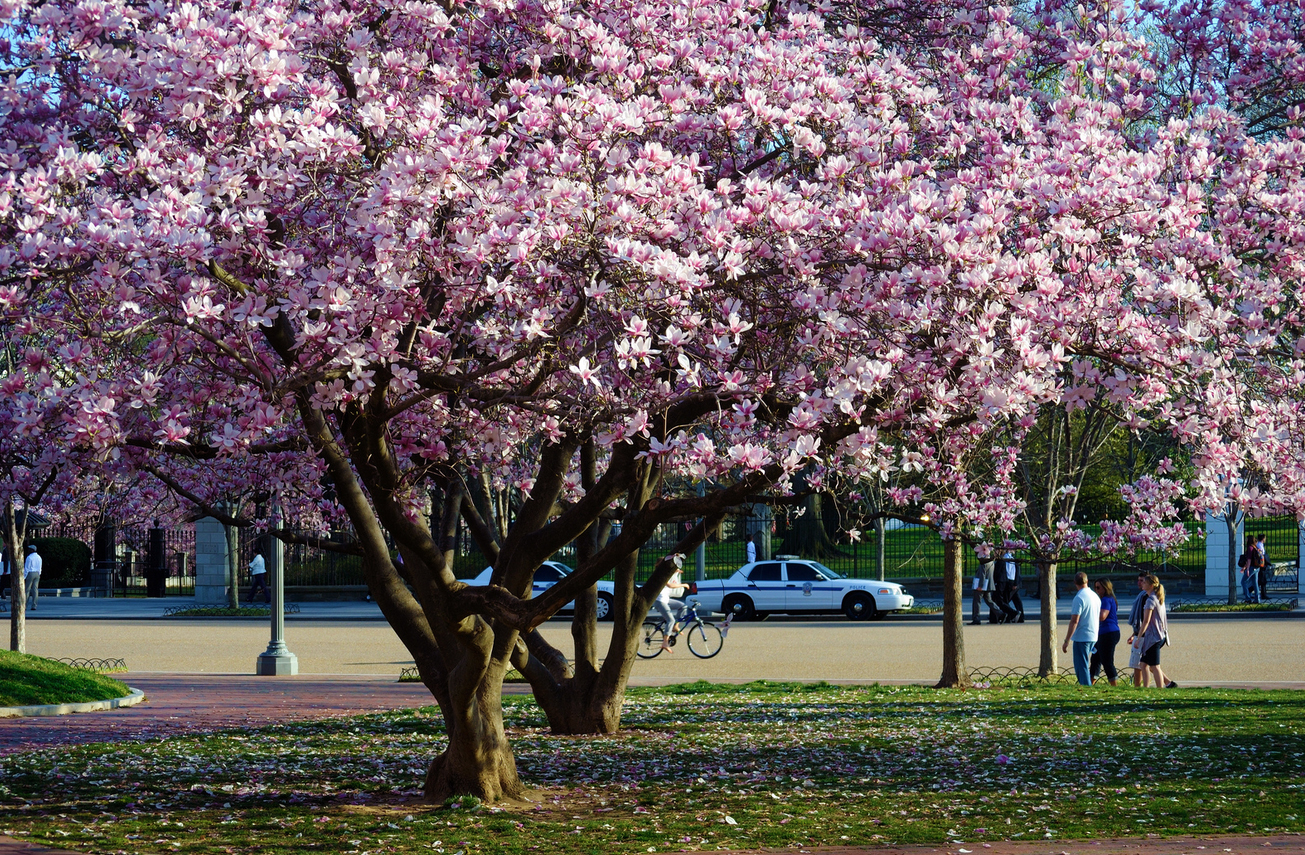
(1153, 634)
(670, 608)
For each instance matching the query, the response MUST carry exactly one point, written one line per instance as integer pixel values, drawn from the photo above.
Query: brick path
(186, 703)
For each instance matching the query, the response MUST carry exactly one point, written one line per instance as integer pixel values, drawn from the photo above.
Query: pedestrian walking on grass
(1154, 634)
(32, 575)
(1107, 632)
(1084, 621)
(258, 578)
(1135, 624)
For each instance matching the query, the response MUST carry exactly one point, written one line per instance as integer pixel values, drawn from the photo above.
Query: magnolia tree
(581, 253)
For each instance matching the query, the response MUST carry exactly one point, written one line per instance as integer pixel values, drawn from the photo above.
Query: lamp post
(277, 660)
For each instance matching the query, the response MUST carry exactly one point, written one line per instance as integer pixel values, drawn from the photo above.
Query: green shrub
(65, 561)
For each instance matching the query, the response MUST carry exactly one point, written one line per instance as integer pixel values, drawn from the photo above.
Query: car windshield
(828, 574)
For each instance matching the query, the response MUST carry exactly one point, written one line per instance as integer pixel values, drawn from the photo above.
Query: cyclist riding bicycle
(670, 609)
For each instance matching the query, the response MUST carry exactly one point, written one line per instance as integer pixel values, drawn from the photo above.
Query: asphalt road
(1217, 650)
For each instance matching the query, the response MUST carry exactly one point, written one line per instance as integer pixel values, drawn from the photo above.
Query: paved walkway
(190, 703)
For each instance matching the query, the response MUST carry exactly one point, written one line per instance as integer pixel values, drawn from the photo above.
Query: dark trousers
(1008, 611)
(1104, 657)
(980, 597)
(259, 581)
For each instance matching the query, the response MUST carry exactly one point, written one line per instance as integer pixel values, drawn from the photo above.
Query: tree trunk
(954, 673)
(478, 760)
(808, 537)
(1048, 661)
(584, 704)
(17, 584)
(233, 574)
(881, 538)
(589, 700)
(1230, 516)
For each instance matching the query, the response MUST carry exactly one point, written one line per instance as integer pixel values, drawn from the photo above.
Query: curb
(134, 698)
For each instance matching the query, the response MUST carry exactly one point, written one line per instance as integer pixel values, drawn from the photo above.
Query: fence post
(156, 574)
(102, 569)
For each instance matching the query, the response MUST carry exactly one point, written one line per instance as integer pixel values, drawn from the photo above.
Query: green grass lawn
(30, 680)
(700, 768)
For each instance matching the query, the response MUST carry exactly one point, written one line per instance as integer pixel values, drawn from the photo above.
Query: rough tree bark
(808, 536)
(954, 672)
(14, 537)
(233, 566)
(1048, 660)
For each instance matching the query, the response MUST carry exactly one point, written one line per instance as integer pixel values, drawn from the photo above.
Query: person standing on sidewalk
(1248, 564)
(1084, 620)
(1107, 632)
(1008, 589)
(983, 585)
(32, 575)
(1262, 581)
(258, 578)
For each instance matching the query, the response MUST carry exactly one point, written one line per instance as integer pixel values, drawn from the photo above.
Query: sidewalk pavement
(145, 608)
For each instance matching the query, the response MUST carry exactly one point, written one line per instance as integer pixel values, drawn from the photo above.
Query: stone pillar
(1216, 554)
(210, 563)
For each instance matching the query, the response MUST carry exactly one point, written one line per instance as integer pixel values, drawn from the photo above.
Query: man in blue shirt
(1084, 620)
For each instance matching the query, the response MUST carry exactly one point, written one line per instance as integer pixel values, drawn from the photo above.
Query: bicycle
(704, 638)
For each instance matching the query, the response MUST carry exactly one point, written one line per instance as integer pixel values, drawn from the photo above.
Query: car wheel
(604, 606)
(739, 606)
(859, 607)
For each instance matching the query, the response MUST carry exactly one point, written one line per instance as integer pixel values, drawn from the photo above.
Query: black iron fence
(897, 552)
(132, 550)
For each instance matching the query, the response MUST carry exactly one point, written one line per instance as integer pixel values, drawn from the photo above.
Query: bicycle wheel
(704, 639)
(650, 640)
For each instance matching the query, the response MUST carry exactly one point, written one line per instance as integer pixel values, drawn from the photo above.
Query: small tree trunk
(478, 760)
(1230, 520)
(1048, 661)
(17, 610)
(17, 584)
(233, 575)
(881, 538)
(954, 673)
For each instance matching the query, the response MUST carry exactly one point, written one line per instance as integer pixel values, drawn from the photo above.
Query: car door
(545, 577)
(805, 589)
(766, 586)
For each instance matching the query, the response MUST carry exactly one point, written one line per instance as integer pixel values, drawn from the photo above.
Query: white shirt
(32, 566)
(1010, 567)
(752, 552)
(665, 596)
(257, 567)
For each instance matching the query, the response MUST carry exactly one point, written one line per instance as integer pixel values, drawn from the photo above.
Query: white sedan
(798, 586)
(548, 575)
